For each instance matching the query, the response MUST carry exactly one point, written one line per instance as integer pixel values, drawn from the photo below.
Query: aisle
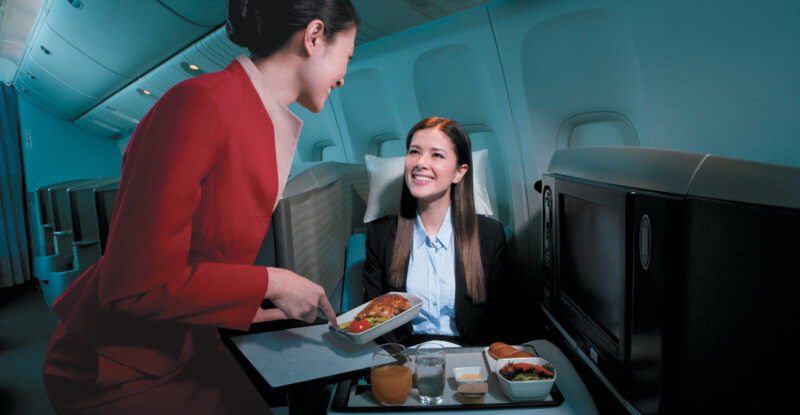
(25, 328)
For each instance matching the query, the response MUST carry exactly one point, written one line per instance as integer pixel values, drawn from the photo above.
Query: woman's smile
(422, 178)
(431, 165)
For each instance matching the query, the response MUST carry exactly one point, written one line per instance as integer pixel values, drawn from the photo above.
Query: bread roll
(499, 350)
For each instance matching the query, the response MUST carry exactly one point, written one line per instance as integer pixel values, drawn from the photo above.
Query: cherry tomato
(358, 325)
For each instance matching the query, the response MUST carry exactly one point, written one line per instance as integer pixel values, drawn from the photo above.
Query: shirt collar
(444, 235)
(265, 93)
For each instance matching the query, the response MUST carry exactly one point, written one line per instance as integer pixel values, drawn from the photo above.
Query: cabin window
(391, 148)
(332, 153)
(370, 110)
(597, 129)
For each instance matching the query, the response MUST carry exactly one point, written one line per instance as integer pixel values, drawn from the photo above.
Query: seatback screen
(592, 272)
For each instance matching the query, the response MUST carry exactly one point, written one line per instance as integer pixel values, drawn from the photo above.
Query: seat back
(353, 283)
(104, 197)
(61, 216)
(319, 210)
(85, 229)
(46, 222)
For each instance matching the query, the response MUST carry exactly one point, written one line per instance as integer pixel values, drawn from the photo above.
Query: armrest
(81, 244)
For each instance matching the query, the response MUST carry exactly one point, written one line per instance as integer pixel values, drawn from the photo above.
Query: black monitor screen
(592, 273)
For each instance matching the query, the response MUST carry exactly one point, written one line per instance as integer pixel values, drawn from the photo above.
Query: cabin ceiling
(103, 64)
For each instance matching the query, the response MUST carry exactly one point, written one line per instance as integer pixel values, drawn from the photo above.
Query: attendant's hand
(296, 297)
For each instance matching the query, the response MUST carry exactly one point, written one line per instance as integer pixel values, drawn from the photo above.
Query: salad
(361, 324)
(525, 371)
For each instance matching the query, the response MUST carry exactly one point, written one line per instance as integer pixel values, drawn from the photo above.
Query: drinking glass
(391, 374)
(429, 371)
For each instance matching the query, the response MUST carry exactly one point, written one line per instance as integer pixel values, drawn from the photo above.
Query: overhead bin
(66, 105)
(391, 16)
(78, 56)
(120, 113)
(200, 12)
(98, 126)
(60, 78)
(18, 20)
(131, 37)
(54, 54)
(218, 48)
(450, 6)
(92, 68)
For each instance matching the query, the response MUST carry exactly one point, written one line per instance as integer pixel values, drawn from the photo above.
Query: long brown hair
(462, 203)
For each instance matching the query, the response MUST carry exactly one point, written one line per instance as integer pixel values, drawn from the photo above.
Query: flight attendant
(200, 178)
(437, 247)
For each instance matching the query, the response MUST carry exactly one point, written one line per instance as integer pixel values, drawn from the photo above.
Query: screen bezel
(592, 337)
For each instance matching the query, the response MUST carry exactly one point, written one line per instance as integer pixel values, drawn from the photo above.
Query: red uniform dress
(138, 330)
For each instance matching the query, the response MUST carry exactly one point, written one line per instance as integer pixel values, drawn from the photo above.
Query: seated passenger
(437, 247)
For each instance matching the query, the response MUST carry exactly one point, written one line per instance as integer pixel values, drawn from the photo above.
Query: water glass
(429, 372)
(390, 375)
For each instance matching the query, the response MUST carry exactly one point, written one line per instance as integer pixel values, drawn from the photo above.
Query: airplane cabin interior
(642, 157)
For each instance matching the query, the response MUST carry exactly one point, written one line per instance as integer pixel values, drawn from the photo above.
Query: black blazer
(473, 321)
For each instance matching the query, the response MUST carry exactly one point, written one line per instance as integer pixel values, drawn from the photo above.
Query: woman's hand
(296, 297)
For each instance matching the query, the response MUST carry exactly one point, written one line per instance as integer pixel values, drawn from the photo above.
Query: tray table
(355, 395)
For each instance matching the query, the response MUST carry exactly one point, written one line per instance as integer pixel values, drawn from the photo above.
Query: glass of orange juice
(391, 374)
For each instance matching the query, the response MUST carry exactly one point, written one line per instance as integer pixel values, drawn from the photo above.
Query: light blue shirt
(432, 276)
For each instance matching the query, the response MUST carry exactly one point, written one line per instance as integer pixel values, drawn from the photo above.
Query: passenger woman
(437, 247)
(201, 176)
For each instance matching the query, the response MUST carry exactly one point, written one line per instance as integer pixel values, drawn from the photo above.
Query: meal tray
(355, 395)
(381, 329)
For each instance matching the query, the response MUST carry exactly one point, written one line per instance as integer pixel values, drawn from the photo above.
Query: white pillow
(386, 183)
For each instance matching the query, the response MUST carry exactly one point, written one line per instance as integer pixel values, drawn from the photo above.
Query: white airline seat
(319, 210)
(496, 174)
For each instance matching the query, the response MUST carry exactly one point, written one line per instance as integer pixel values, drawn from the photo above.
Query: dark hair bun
(264, 27)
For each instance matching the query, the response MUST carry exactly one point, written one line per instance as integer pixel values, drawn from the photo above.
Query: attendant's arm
(295, 297)
(149, 271)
